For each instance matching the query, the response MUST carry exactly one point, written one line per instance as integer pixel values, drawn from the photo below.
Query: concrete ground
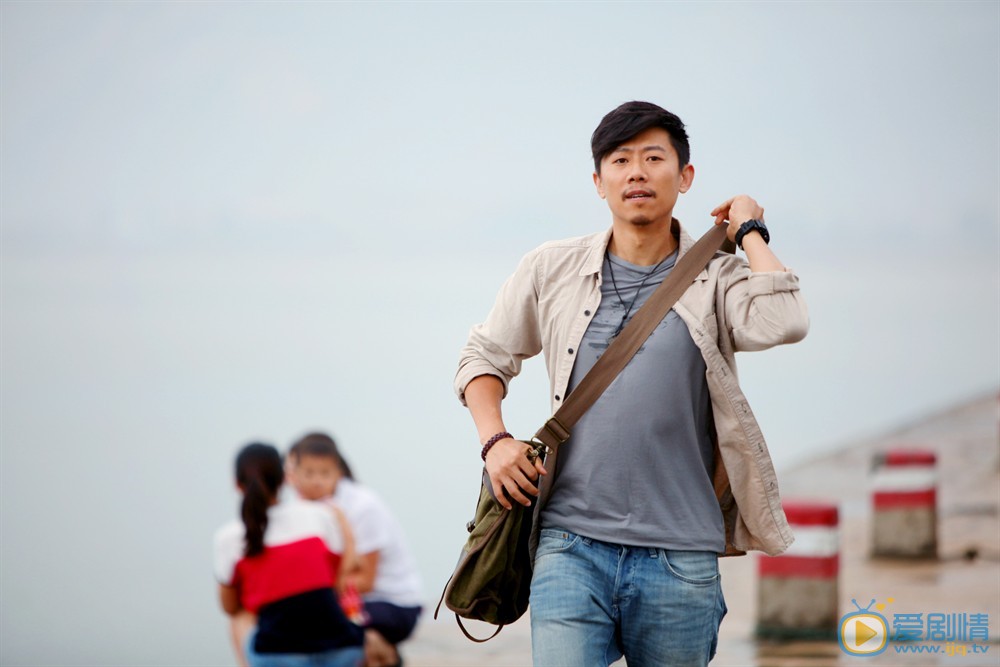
(964, 579)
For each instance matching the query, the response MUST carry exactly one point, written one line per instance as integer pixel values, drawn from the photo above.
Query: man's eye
(620, 160)
(655, 157)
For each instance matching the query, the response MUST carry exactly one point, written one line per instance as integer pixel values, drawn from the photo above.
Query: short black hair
(630, 119)
(321, 445)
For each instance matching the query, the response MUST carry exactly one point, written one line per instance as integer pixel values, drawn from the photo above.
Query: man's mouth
(638, 194)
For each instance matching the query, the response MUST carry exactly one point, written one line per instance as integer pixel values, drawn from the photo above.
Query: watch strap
(749, 226)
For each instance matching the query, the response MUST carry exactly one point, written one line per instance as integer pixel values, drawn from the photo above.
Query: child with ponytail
(280, 563)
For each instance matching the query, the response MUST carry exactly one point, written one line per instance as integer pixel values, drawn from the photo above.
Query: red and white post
(904, 500)
(797, 592)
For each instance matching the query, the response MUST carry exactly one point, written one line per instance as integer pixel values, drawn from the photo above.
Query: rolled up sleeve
(509, 335)
(764, 309)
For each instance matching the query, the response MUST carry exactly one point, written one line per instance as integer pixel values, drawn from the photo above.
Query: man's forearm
(483, 395)
(508, 467)
(759, 255)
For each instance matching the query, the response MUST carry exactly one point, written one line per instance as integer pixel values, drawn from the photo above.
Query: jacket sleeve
(763, 309)
(509, 335)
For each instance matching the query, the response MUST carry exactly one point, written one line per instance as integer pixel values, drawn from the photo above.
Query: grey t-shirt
(637, 469)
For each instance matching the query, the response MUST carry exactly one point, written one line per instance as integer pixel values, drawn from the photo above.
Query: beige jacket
(547, 304)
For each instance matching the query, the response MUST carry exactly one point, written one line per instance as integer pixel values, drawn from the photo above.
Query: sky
(224, 222)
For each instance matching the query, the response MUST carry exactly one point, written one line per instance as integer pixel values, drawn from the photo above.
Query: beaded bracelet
(494, 440)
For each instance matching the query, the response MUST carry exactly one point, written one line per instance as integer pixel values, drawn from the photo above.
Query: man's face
(314, 477)
(641, 179)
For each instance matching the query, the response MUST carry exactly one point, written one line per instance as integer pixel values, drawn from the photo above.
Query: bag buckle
(537, 448)
(554, 431)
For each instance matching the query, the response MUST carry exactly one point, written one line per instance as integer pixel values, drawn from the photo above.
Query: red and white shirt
(302, 551)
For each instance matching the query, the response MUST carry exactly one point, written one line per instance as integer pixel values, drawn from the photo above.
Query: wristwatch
(748, 227)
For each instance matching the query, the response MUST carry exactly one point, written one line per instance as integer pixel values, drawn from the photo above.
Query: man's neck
(643, 245)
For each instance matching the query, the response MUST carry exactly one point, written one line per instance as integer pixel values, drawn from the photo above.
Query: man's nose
(637, 173)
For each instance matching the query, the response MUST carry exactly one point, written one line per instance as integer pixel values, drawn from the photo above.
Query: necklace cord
(621, 301)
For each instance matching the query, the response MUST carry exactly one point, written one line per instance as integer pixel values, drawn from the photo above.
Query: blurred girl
(281, 563)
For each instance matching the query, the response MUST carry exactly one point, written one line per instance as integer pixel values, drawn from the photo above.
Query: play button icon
(863, 633)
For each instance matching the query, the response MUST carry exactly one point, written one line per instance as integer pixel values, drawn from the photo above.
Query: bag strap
(477, 639)
(621, 350)
(458, 618)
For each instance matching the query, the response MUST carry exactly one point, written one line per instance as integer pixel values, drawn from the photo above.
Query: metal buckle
(536, 448)
(559, 432)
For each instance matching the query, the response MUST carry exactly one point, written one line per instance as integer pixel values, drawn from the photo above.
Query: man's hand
(737, 210)
(509, 468)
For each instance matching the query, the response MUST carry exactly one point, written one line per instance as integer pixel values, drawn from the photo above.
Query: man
(668, 469)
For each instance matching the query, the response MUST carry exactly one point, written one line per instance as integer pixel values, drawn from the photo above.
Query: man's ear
(599, 185)
(687, 177)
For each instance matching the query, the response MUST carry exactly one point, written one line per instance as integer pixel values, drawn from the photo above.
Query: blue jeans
(593, 602)
(350, 656)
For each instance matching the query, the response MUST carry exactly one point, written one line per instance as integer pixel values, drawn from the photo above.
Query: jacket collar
(599, 245)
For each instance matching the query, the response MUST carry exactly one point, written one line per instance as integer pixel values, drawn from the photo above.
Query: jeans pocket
(554, 540)
(698, 568)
